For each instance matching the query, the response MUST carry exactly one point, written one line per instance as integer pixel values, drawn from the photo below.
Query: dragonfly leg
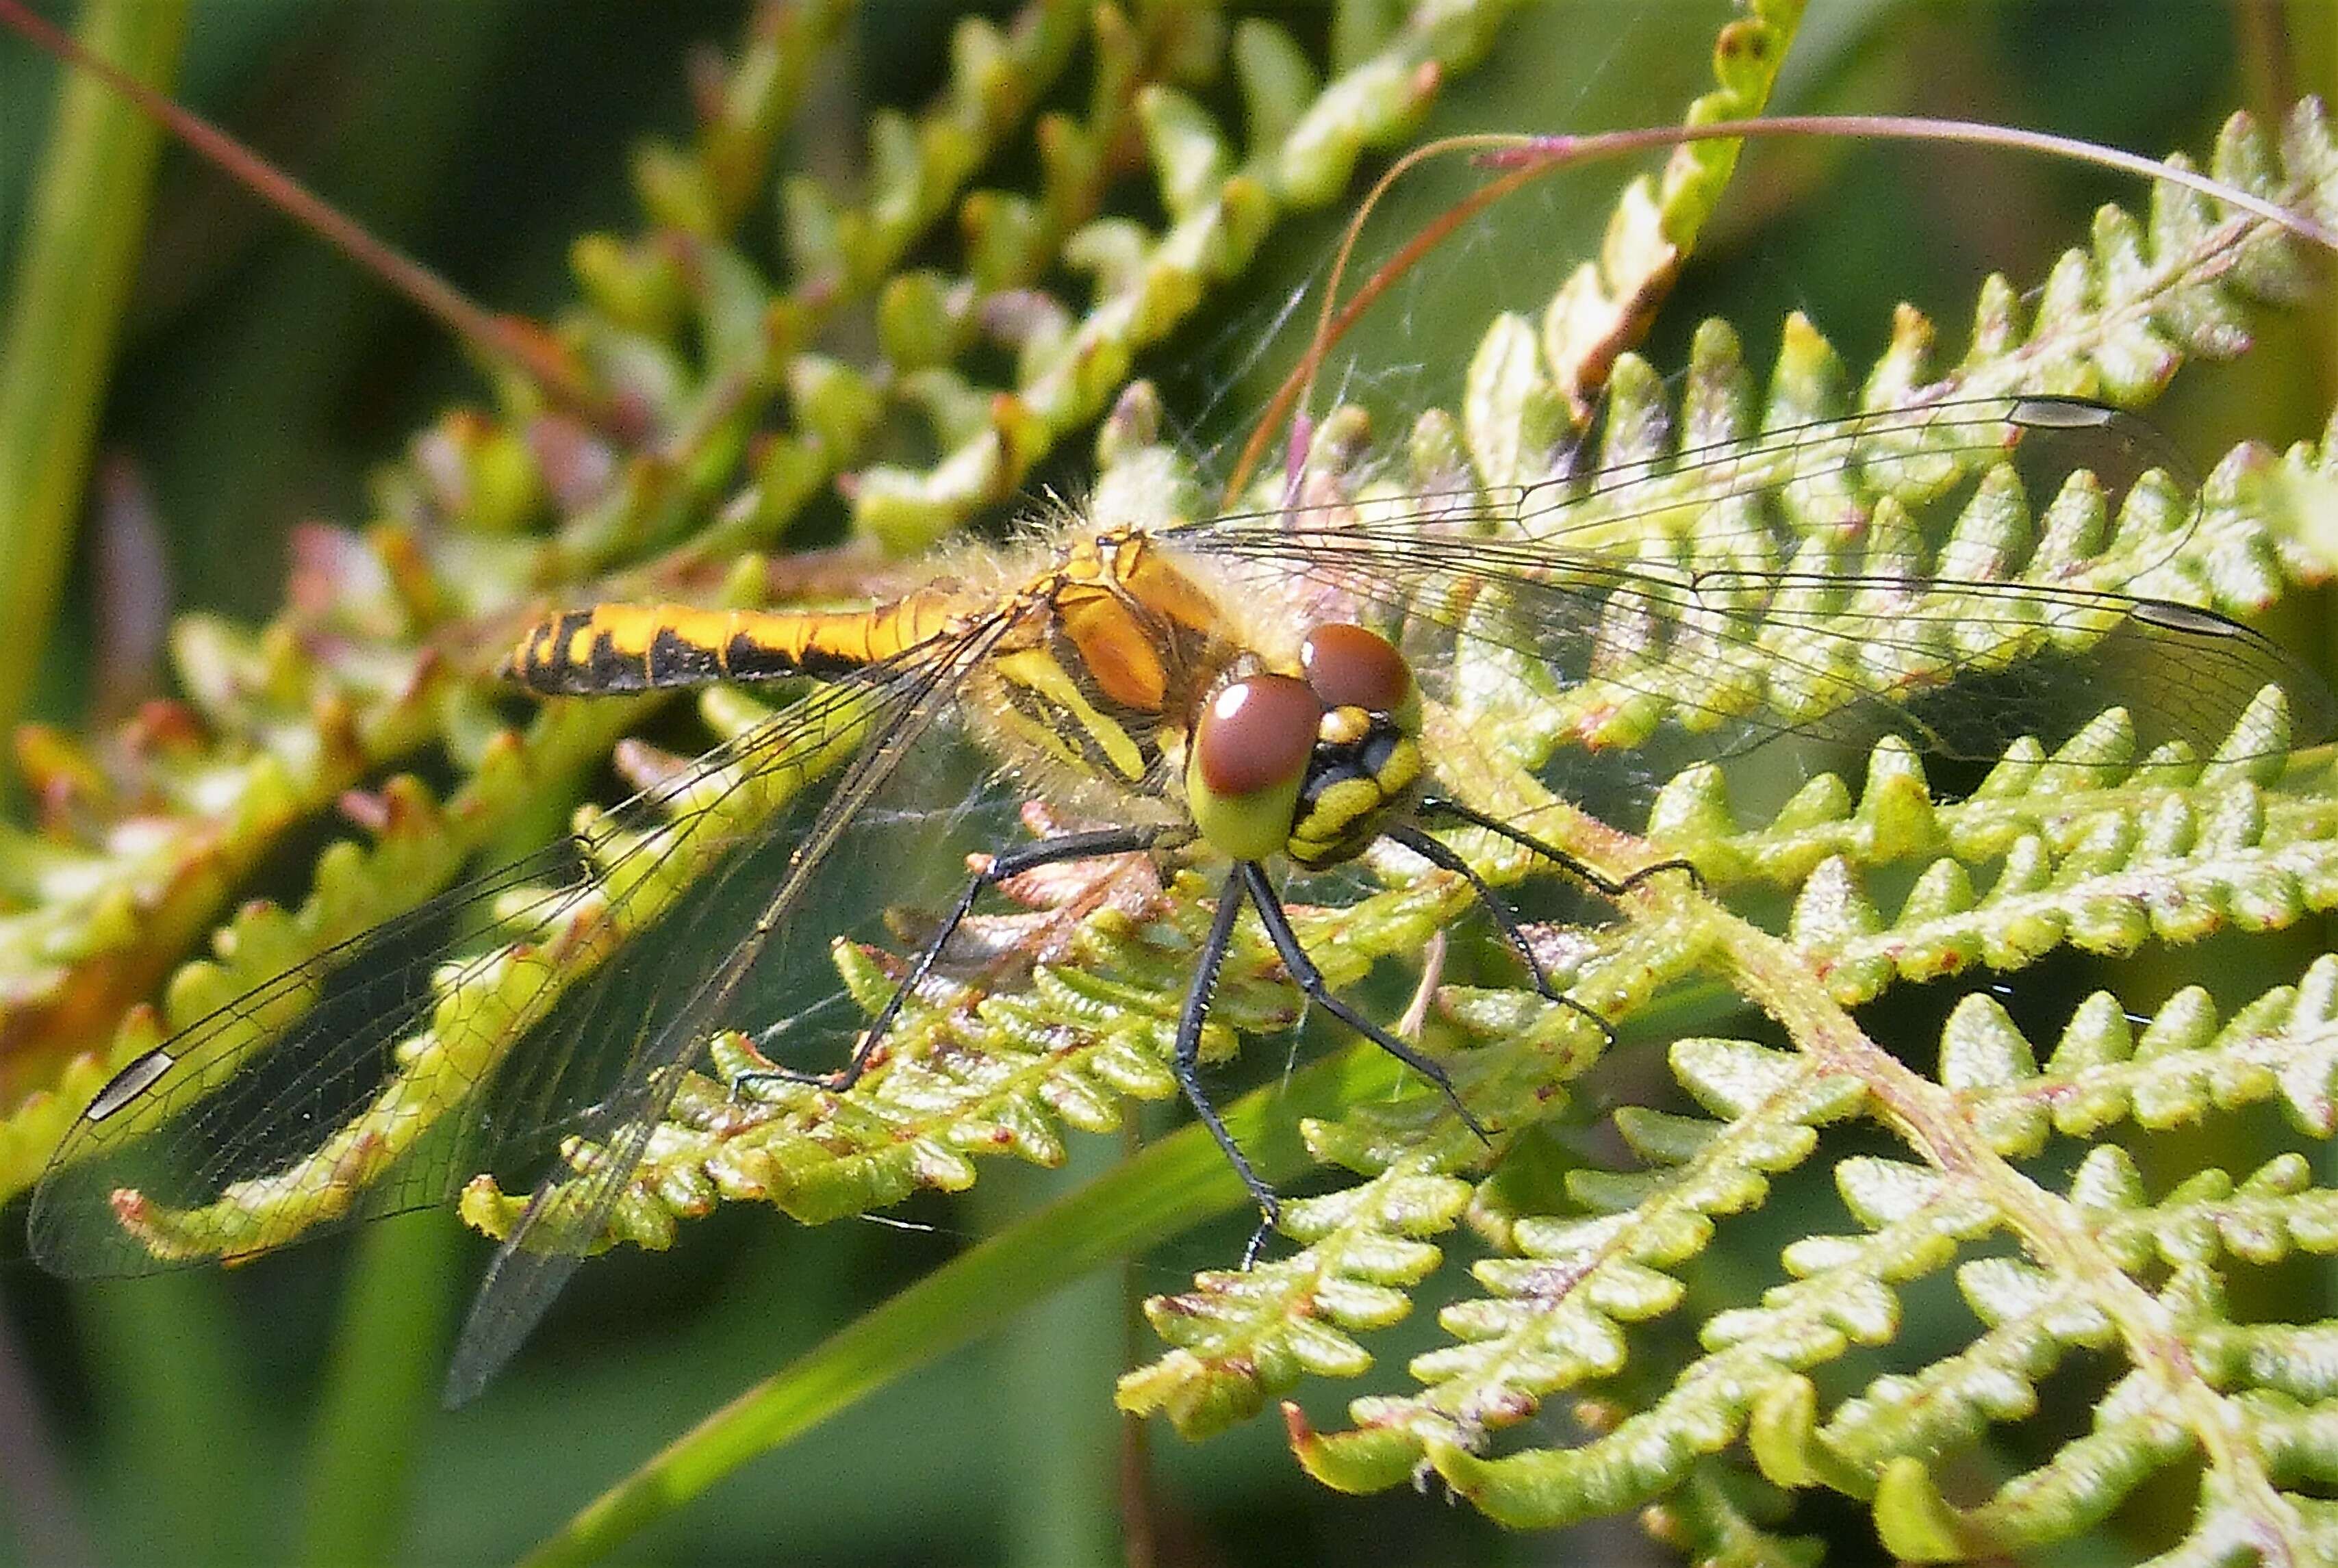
(1310, 980)
(1010, 862)
(1498, 909)
(1187, 1064)
(1610, 886)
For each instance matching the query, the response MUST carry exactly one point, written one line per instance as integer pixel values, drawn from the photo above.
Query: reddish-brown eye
(1351, 667)
(1256, 734)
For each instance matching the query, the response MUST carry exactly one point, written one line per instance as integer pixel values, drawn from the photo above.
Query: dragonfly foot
(835, 1082)
(1599, 1019)
(1645, 873)
(1270, 1208)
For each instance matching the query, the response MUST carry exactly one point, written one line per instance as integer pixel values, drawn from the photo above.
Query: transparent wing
(549, 1000)
(730, 985)
(1966, 575)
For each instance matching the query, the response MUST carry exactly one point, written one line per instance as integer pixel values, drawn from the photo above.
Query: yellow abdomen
(618, 648)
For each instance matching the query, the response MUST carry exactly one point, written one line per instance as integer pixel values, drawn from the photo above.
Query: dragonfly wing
(1840, 580)
(281, 1113)
(672, 1011)
(1966, 668)
(477, 1033)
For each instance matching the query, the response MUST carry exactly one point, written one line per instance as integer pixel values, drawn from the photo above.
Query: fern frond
(2078, 837)
(1723, 1517)
(1071, 365)
(977, 1072)
(1239, 1334)
(2102, 843)
(1566, 1312)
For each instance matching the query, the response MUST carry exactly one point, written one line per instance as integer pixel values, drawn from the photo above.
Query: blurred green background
(259, 377)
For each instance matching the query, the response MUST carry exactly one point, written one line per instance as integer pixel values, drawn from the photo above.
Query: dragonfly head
(1308, 764)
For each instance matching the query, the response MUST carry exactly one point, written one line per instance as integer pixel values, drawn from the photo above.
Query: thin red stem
(1556, 152)
(501, 338)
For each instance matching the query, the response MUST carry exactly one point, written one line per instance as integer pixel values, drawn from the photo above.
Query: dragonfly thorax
(1308, 766)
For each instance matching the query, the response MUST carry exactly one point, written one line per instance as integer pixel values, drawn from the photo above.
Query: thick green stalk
(381, 1387)
(81, 248)
(188, 1445)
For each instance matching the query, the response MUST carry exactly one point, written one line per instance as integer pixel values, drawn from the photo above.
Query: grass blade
(80, 255)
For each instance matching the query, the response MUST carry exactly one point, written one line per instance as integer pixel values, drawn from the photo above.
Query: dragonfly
(1249, 693)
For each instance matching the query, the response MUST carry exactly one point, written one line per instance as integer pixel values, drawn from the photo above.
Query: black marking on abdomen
(675, 661)
(752, 659)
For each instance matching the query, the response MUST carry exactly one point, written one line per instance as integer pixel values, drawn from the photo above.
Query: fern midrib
(1774, 977)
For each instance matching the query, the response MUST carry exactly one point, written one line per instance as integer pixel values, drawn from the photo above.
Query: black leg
(1505, 919)
(1439, 806)
(1311, 981)
(1012, 863)
(1187, 1062)
(1500, 912)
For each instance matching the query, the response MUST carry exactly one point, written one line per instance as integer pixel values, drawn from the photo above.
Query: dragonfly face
(1308, 767)
(1261, 690)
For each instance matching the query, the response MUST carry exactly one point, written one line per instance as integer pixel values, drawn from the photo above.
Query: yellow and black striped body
(618, 648)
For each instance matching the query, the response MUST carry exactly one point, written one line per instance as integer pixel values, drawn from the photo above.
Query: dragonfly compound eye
(1248, 762)
(1352, 667)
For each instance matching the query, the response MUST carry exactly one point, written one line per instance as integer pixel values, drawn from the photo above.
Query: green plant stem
(88, 215)
(1173, 1185)
(490, 335)
(1058, 1498)
(189, 1462)
(381, 1385)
